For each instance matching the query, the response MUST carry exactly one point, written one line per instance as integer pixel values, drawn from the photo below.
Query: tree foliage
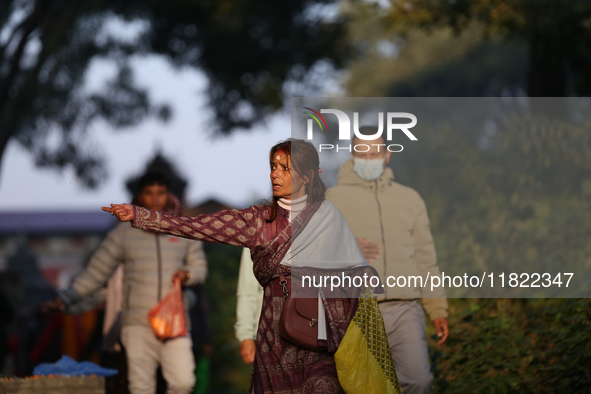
(406, 60)
(229, 374)
(505, 346)
(248, 50)
(558, 34)
(518, 200)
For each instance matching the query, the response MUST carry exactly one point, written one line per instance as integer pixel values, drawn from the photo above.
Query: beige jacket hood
(394, 217)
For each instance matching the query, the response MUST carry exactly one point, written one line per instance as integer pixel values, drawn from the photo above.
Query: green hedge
(515, 345)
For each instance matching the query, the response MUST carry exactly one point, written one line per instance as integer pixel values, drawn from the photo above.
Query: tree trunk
(547, 74)
(547, 67)
(4, 138)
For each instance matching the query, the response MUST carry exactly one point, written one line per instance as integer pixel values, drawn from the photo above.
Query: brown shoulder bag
(298, 323)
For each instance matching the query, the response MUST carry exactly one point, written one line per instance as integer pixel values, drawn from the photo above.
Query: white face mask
(369, 169)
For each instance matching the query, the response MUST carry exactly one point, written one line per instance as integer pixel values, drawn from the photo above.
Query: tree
(518, 202)
(248, 49)
(395, 60)
(557, 34)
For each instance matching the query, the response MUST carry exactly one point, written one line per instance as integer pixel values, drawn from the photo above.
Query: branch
(31, 24)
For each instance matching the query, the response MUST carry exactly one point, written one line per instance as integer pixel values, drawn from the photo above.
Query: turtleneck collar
(295, 205)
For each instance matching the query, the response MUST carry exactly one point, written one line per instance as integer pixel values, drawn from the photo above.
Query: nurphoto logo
(345, 129)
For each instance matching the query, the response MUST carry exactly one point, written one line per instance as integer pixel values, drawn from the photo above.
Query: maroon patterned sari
(279, 366)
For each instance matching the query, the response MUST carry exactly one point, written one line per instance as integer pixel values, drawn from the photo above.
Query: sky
(231, 169)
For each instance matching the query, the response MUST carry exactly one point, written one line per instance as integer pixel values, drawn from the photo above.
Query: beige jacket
(395, 217)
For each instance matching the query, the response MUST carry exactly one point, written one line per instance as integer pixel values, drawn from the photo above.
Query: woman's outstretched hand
(124, 212)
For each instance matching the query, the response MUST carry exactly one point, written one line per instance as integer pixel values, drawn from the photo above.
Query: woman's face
(287, 183)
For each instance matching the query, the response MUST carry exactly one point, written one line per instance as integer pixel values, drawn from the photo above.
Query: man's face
(154, 197)
(374, 152)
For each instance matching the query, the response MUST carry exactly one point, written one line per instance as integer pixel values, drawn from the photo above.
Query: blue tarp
(66, 366)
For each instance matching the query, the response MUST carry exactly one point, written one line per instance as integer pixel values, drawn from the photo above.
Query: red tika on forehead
(279, 152)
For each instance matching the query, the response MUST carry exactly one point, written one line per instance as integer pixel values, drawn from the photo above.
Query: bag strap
(177, 285)
(283, 283)
(282, 278)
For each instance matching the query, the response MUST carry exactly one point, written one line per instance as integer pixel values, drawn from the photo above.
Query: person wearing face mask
(391, 225)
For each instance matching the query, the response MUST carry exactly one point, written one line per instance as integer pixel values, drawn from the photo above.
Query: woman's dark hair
(153, 178)
(304, 160)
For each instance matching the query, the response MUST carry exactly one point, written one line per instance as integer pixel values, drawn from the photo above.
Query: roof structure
(52, 222)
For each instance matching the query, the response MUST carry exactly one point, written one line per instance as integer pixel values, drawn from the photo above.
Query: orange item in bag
(167, 318)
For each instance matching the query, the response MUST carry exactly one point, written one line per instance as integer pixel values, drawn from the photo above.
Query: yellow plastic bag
(363, 360)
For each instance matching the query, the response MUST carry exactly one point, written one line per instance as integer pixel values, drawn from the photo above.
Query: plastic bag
(363, 360)
(167, 318)
(66, 366)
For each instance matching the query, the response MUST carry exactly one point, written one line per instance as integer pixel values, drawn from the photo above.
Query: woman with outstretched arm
(298, 211)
